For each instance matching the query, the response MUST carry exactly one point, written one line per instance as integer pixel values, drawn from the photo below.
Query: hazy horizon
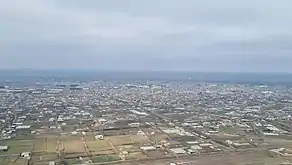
(155, 35)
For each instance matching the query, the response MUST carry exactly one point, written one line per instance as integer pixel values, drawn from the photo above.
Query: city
(145, 122)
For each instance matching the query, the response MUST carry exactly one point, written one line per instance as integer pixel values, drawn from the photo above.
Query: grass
(105, 158)
(17, 146)
(2, 159)
(40, 163)
(99, 147)
(228, 130)
(89, 138)
(12, 161)
(69, 138)
(134, 155)
(120, 140)
(51, 144)
(97, 144)
(71, 161)
(49, 157)
(39, 145)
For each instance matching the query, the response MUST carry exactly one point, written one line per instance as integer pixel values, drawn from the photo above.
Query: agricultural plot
(89, 137)
(44, 157)
(137, 139)
(39, 145)
(40, 163)
(105, 158)
(228, 130)
(51, 144)
(135, 156)
(99, 147)
(18, 146)
(120, 140)
(159, 137)
(224, 137)
(157, 154)
(12, 161)
(74, 146)
(69, 137)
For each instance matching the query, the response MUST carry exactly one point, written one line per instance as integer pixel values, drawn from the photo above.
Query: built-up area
(110, 122)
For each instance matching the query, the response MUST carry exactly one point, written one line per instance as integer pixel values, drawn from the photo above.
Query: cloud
(151, 35)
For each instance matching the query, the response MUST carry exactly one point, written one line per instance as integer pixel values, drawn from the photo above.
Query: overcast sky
(193, 35)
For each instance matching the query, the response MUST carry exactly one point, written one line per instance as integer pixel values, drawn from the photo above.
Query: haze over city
(168, 35)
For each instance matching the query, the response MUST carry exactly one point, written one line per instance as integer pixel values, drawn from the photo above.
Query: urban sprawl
(145, 122)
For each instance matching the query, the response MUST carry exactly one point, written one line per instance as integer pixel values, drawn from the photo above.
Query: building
(178, 150)
(148, 148)
(4, 148)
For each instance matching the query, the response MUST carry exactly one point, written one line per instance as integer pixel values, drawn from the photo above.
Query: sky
(164, 35)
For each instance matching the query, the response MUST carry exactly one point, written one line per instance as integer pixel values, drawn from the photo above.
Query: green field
(105, 158)
(51, 144)
(17, 146)
(12, 161)
(228, 130)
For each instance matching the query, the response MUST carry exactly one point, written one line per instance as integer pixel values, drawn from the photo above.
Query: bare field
(69, 137)
(121, 140)
(128, 140)
(223, 136)
(99, 147)
(139, 139)
(52, 144)
(39, 145)
(247, 158)
(157, 154)
(236, 158)
(159, 137)
(74, 146)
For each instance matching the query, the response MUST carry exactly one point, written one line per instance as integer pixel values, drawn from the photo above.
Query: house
(25, 154)
(74, 133)
(148, 148)
(3, 148)
(23, 127)
(178, 150)
(102, 121)
(99, 137)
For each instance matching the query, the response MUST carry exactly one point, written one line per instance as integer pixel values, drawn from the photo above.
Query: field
(46, 148)
(74, 146)
(98, 147)
(12, 161)
(39, 145)
(44, 157)
(105, 158)
(137, 139)
(135, 156)
(17, 146)
(228, 130)
(51, 144)
(159, 137)
(128, 139)
(224, 137)
(120, 140)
